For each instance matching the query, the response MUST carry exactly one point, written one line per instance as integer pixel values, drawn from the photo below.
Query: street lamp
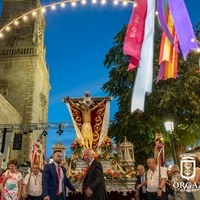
(169, 127)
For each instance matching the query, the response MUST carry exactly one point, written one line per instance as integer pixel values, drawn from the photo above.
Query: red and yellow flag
(168, 58)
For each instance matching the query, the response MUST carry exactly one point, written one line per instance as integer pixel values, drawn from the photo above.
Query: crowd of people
(51, 182)
(157, 183)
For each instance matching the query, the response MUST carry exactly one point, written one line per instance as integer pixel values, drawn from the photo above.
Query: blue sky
(77, 40)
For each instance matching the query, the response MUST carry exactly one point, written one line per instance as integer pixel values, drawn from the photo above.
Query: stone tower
(24, 77)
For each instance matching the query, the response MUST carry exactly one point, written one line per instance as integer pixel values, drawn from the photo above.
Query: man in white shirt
(156, 180)
(32, 185)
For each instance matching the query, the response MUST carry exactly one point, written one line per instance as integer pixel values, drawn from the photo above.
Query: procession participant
(32, 186)
(94, 187)
(169, 186)
(141, 183)
(54, 179)
(12, 181)
(156, 180)
(179, 193)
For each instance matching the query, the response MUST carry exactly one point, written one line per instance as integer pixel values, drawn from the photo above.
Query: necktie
(59, 176)
(86, 171)
(143, 187)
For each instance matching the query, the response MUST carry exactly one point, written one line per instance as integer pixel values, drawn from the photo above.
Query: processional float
(90, 117)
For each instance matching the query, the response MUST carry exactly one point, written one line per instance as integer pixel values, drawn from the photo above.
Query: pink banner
(135, 33)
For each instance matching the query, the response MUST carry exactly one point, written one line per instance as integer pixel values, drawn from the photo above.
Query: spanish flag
(168, 59)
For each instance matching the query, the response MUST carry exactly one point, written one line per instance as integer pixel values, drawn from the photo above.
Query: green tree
(173, 99)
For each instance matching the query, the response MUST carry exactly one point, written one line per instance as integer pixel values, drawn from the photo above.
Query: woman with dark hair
(12, 182)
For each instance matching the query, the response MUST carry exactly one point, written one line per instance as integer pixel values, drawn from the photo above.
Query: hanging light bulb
(94, 1)
(53, 7)
(73, 3)
(16, 23)
(43, 10)
(103, 2)
(63, 4)
(115, 2)
(83, 2)
(124, 3)
(1, 35)
(25, 18)
(8, 28)
(34, 13)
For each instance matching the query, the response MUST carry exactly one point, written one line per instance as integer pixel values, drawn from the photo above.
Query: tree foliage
(172, 99)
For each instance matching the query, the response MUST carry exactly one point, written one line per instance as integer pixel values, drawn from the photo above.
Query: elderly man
(32, 185)
(141, 183)
(94, 187)
(156, 180)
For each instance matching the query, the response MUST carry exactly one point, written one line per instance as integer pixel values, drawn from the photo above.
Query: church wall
(8, 113)
(23, 72)
(29, 93)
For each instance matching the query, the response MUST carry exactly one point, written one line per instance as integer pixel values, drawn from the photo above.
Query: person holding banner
(156, 181)
(32, 185)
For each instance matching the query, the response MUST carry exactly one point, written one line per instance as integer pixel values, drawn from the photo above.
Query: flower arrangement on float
(107, 148)
(77, 176)
(105, 153)
(111, 174)
(77, 147)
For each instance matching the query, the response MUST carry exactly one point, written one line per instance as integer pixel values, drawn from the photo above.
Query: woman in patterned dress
(1, 186)
(12, 182)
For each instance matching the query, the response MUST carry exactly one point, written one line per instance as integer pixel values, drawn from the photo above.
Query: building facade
(24, 77)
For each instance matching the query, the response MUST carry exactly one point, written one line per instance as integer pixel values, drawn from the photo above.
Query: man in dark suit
(141, 183)
(54, 180)
(94, 187)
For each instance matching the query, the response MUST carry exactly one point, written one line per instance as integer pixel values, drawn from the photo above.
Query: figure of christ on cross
(86, 109)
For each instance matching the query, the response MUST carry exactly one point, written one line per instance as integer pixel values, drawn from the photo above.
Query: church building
(24, 78)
